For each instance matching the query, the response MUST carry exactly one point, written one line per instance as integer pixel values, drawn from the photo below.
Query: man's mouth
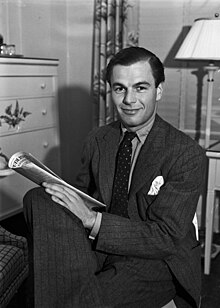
(130, 111)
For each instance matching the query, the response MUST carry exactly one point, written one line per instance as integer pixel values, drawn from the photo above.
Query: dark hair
(131, 55)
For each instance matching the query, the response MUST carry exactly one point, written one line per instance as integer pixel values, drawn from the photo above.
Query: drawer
(27, 86)
(42, 144)
(43, 114)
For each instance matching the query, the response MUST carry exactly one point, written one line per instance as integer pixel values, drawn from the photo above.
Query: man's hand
(72, 201)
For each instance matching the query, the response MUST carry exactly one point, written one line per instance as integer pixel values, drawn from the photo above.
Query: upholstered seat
(13, 264)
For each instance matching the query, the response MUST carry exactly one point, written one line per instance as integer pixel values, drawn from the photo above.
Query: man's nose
(130, 97)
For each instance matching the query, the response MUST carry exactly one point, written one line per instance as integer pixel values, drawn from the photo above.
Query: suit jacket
(160, 226)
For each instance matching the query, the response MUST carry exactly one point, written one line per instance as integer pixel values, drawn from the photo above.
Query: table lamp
(203, 43)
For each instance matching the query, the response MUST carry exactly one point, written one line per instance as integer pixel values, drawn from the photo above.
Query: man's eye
(119, 90)
(141, 89)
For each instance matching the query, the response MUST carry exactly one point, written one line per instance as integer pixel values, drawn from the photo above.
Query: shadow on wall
(75, 118)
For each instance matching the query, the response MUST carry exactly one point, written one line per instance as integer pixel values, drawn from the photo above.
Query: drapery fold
(116, 25)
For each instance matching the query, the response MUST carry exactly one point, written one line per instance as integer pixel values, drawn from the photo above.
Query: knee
(34, 202)
(34, 198)
(33, 194)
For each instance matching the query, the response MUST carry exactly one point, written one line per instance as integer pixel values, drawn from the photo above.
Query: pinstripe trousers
(69, 273)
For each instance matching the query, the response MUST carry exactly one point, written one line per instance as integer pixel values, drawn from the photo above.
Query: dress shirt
(137, 143)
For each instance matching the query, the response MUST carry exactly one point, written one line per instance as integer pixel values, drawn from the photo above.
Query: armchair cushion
(13, 264)
(9, 238)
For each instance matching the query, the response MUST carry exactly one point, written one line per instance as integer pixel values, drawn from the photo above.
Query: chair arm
(9, 238)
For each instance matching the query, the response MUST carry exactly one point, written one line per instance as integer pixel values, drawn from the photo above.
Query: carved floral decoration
(13, 117)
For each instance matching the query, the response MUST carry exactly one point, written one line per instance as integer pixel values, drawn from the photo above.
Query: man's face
(134, 94)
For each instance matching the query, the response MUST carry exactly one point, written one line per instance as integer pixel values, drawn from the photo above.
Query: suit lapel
(108, 146)
(149, 157)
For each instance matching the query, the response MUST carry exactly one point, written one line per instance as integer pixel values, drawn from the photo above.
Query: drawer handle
(43, 85)
(45, 144)
(44, 111)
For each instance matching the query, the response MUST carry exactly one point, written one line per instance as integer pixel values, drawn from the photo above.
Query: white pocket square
(155, 186)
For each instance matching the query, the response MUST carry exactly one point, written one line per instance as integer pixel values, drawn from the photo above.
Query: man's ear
(159, 91)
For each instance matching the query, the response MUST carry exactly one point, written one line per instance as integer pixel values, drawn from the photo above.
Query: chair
(13, 265)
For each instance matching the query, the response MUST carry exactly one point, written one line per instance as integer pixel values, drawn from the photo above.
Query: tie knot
(129, 136)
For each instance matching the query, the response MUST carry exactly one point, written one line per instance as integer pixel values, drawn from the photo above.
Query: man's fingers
(57, 200)
(62, 189)
(58, 195)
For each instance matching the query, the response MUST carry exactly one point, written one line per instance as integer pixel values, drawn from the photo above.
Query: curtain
(115, 27)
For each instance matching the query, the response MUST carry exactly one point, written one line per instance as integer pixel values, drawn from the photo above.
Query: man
(142, 251)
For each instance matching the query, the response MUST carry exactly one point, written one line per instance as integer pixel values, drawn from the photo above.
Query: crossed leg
(67, 272)
(64, 263)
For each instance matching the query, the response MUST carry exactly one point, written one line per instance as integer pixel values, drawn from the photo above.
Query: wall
(60, 29)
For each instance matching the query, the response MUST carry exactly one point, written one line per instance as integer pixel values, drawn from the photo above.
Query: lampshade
(202, 42)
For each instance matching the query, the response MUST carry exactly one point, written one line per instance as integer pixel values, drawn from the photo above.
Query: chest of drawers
(30, 84)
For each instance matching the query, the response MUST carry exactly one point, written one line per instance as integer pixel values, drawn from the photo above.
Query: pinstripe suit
(158, 242)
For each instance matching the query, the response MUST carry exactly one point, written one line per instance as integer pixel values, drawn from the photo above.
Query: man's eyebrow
(135, 85)
(142, 83)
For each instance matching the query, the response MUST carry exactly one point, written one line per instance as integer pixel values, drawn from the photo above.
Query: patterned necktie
(119, 203)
